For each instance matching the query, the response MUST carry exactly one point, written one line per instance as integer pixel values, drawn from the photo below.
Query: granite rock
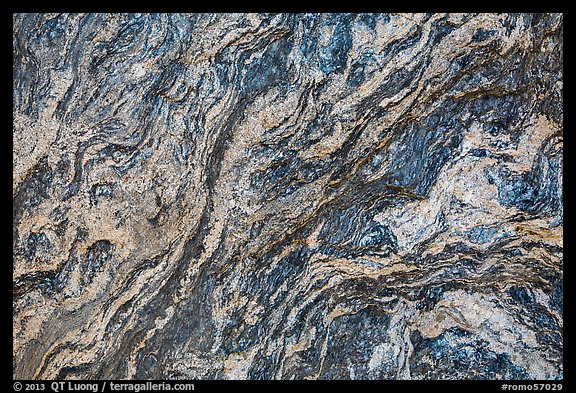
(287, 196)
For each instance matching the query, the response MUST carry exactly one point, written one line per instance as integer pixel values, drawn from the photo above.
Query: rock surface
(350, 196)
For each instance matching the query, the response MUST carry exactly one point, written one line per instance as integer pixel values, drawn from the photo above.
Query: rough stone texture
(288, 196)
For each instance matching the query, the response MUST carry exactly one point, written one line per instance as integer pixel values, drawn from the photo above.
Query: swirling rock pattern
(292, 196)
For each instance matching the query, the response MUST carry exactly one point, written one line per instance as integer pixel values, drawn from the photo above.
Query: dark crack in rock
(290, 196)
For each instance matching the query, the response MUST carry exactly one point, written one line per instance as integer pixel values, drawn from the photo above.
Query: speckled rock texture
(292, 196)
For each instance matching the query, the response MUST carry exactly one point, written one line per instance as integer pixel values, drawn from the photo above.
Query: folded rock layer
(290, 196)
